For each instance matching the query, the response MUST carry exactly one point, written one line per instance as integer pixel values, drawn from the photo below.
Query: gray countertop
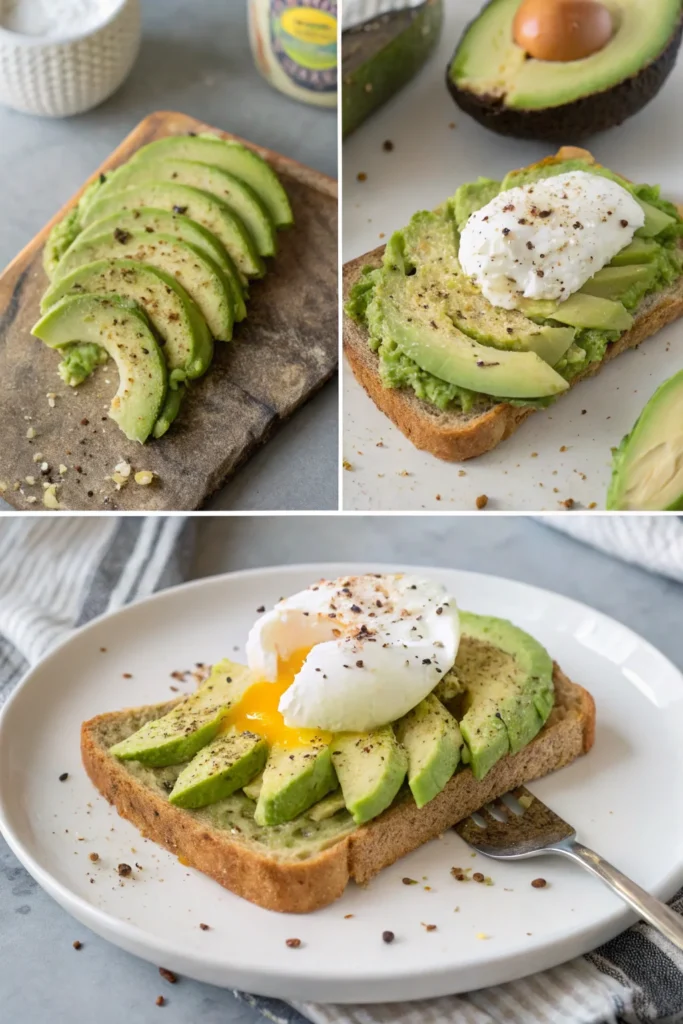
(195, 57)
(44, 981)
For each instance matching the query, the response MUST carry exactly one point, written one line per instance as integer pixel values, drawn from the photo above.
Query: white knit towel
(652, 542)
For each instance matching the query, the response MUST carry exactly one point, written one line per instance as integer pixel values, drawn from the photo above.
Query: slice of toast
(457, 436)
(277, 880)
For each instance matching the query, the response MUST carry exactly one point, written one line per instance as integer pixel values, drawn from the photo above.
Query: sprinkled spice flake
(168, 976)
(388, 937)
(293, 943)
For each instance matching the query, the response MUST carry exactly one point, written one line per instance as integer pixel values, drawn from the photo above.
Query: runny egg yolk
(257, 711)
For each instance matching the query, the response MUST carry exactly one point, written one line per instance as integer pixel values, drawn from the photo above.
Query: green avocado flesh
(177, 736)
(188, 345)
(173, 235)
(123, 331)
(434, 332)
(508, 682)
(219, 769)
(296, 801)
(230, 156)
(207, 210)
(488, 63)
(371, 768)
(647, 473)
(164, 222)
(236, 194)
(293, 780)
(197, 274)
(432, 740)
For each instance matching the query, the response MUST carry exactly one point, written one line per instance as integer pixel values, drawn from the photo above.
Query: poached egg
(544, 240)
(347, 655)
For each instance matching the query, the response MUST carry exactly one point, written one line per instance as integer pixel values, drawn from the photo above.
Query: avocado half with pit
(502, 87)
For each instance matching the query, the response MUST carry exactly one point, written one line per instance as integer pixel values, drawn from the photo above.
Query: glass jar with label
(295, 47)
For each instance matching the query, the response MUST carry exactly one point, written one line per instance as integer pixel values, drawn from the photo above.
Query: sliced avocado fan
(193, 723)
(164, 222)
(196, 272)
(230, 156)
(232, 191)
(188, 345)
(205, 209)
(432, 740)
(647, 473)
(508, 681)
(121, 328)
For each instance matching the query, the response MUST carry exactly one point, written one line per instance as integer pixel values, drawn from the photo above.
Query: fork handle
(649, 907)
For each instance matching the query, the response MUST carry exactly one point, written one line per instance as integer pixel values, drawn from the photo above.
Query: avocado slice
(294, 779)
(219, 769)
(164, 222)
(430, 244)
(199, 206)
(430, 338)
(371, 768)
(647, 473)
(493, 80)
(432, 740)
(188, 345)
(612, 282)
(121, 328)
(656, 220)
(327, 807)
(230, 156)
(583, 309)
(640, 250)
(232, 191)
(195, 272)
(194, 722)
(508, 681)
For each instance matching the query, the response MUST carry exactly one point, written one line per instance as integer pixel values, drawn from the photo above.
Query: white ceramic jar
(295, 47)
(59, 72)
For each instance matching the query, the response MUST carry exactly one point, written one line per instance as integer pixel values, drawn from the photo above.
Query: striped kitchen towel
(59, 572)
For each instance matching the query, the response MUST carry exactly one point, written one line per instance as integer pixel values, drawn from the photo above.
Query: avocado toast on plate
(371, 718)
(493, 305)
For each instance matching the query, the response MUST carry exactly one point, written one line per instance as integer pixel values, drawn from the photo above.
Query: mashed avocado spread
(426, 250)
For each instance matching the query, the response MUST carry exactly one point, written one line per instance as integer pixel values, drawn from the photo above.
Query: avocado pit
(562, 30)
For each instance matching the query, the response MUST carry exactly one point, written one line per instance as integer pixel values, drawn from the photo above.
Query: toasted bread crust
(302, 886)
(457, 437)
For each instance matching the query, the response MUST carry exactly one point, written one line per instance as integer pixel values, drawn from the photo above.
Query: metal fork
(519, 825)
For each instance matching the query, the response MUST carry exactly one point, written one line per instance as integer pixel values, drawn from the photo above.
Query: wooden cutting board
(281, 354)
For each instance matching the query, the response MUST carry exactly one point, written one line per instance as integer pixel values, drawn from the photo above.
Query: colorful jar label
(304, 41)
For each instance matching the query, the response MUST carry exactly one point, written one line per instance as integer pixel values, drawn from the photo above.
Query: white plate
(428, 162)
(616, 797)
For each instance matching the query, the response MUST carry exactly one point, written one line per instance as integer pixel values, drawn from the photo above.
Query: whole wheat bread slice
(280, 882)
(457, 436)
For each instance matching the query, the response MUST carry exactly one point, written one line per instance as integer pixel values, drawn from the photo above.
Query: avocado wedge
(121, 328)
(507, 678)
(232, 191)
(199, 206)
(164, 222)
(220, 768)
(194, 722)
(230, 156)
(201, 278)
(294, 779)
(371, 768)
(430, 339)
(647, 473)
(432, 740)
(188, 345)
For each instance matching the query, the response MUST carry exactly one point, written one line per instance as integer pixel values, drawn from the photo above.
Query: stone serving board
(281, 354)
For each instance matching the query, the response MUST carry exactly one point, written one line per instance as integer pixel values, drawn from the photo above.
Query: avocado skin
(574, 121)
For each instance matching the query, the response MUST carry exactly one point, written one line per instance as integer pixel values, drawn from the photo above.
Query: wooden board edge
(320, 182)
